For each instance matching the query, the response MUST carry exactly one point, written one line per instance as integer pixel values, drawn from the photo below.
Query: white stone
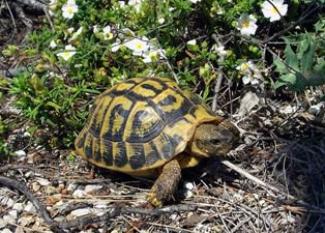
(13, 213)
(18, 206)
(79, 193)
(81, 212)
(6, 231)
(189, 185)
(2, 223)
(188, 194)
(9, 219)
(72, 187)
(20, 153)
(42, 181)
(19, 230)
(92, 188)
(6, 201)
(35, 186)
(30, 208)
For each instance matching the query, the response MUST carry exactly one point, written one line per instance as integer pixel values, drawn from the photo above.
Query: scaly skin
(166, 184)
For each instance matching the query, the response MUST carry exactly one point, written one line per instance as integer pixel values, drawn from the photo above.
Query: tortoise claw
(153, 200)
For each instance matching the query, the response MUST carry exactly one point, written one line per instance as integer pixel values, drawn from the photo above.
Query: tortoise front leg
(166, 184)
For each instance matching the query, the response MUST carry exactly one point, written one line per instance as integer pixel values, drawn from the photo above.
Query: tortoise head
(214, 139)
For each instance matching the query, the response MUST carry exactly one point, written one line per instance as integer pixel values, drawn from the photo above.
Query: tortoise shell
(140, 124)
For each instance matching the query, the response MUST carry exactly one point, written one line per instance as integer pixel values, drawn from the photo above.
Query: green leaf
(289, 78)
(279, 84)
(291, 57)
(307, 53)
(280, 66)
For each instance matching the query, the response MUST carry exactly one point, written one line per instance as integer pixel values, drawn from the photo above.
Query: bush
(93, 44)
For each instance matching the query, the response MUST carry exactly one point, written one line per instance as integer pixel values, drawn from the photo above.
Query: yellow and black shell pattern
(140, 124)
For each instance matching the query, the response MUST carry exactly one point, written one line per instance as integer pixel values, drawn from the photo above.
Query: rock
(72, 187)
(79, 193)
(9, 219)
(92, 188)
(80, 212)
(189, 185)
(19, 230)
(26, 220)
(2, 223)
(53, 199)
(316, 109)
(35, 186)
(50, 190)
(287, 109)
(193, 219)
(30, 208)
(13, 213)
(21, 154)
(247, 103)
(6, 231)
(18, 206)
(42, 181)
(6, 201)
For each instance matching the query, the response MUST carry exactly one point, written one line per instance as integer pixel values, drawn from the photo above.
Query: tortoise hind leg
(166, 184)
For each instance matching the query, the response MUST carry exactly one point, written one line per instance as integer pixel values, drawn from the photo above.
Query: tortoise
(150, 127)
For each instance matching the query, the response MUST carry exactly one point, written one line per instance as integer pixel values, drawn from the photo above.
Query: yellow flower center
(139, 46)
(245, 23)
(274, 10)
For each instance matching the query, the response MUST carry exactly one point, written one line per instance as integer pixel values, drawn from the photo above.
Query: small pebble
(20, 153)
(189, 185)
(6, 231)
(35, 186)
(92, 188)
(42, 181)
(9, 219)
(50, 190)
(18, 206)
(72, 187)
(79, 193)
(81, 212)
(188, 194)
(30, 208)
(13, 213)
(2, 223)
(6, 201)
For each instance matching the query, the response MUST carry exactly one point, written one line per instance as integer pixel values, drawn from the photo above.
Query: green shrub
(95, 43)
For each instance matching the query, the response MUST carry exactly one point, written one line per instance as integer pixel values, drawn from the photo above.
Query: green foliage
(82, 55)
(302, 67)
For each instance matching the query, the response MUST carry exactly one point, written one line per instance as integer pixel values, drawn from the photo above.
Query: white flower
(161, 20)
(96, 29)
(135, 3)
(107, 32)
(69, 9)
(191, 42)
(251, 73)
(116, 46)
(76, 34)
(70, 30)
(151, 56)
(247, 24)
(68, 52)
(195, 1)
(121, 3)
(275, 11)
(138, 47)
(220, 49)
(53, 44)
